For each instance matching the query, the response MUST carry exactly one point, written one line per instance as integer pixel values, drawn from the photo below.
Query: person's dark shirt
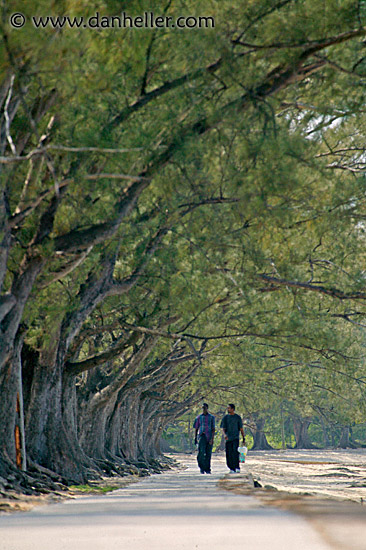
(232, 423)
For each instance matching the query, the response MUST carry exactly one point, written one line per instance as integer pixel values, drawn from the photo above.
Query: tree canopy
(182, 217)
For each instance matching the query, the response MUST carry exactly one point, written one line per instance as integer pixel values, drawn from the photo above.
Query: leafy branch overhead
(178, 211)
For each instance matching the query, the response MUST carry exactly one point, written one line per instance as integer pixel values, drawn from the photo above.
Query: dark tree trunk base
(40, 481)
(35, 481)
(260, 442)
(301, 427)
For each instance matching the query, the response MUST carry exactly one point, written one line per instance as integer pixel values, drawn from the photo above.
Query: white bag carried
(242, 453)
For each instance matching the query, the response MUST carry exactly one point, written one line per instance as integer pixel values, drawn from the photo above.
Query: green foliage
(273, 186)
(91, 489)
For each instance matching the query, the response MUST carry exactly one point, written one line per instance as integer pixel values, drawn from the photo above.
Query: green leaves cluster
(250, 174)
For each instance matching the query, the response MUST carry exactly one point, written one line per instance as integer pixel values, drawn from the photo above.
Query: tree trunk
(326, 440)
(283, 436)
(9, 339)
(221, 446)
(260, 440)
(10, 319)
(153, 437)
(50, 442)
(94, 427)
(113, 440)
(149, 419)
(85, 461)
(301, 426)
(346, 440)
(5, 242)
(51, 416)
(8, 392)
(98, 410)
(129, 411)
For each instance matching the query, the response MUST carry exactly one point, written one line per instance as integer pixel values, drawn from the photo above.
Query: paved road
(175, 511)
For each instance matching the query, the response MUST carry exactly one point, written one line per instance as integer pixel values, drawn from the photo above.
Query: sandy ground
(337, 474)
(328, 488)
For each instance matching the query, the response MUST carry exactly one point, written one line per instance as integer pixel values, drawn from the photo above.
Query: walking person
(231, 425)
(205, 431)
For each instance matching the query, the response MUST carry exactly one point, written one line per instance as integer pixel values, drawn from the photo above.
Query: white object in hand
(242, 453)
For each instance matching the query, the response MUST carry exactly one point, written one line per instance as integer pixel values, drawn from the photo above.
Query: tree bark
(346, 440)
(326, 440)
(260, 442)
(30, 267)
(301, 426)
(50, 442)
(9, 380)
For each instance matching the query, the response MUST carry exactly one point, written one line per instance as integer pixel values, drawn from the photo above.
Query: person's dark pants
(232, 454)
(204, 454)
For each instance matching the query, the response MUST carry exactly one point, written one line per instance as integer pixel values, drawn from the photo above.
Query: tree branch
(333, 292)
(130, 281)
(113, 352)
(160, 91)
(7, 118)
(18, 217)
(275, 81)
(129, 368)
(128, 177)
(42, 150)
(91, 293)
(310, 46)
(65, 270)
(77, 240)
(7, 301)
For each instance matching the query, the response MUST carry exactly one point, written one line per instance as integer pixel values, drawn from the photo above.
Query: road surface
(181, 510)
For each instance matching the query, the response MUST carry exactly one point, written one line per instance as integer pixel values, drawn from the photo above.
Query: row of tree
(298, 432)
(282, 427)
(181, 216)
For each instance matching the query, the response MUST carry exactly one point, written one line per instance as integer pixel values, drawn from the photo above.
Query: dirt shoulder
(13, 501)
(46, 487)
(341, 523)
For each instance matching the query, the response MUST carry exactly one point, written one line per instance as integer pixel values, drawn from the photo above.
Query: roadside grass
(91, 489)
(103, 486)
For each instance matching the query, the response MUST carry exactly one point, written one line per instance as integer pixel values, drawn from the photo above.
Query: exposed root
(21, 491)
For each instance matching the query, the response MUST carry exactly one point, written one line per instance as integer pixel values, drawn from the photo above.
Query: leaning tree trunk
(123, 426)
(153, 437)
(129, 411)
(69, 404)
(10, 341)
(93, 425)
(97, 411)
(346, 441)
(301, 427)
(127, 426)
(113, 440)
(260, 442)
(326, 440)
(148, 443)
(221, 446)
(142, 421)
(51, 429)
(50, 442)
(11, 312)
(10, 377)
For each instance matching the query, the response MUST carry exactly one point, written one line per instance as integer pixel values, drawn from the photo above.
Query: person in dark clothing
(205, 431)
(231, 425)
